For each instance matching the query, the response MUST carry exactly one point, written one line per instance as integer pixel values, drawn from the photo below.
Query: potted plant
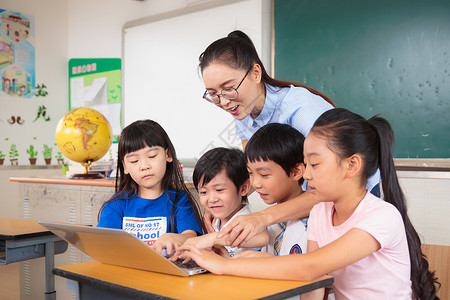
(2, 157)
(32, 155)
(59, 158)
(47, 154)
(13, 154)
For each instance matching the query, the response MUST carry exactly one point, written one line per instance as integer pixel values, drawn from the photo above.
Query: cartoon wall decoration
(30, 106)
(16, 120)
(17, 57)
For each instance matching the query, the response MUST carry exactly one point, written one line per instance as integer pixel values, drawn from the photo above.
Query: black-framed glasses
(229, 93)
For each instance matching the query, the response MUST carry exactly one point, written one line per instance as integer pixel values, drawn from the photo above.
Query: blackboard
(387, 57)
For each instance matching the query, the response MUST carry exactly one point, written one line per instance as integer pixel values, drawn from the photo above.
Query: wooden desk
(98, 280)
(26, 239)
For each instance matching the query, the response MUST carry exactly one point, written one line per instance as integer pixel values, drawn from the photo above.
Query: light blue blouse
(295, 106)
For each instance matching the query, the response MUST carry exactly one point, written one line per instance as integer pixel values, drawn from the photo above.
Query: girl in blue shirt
(151, 199)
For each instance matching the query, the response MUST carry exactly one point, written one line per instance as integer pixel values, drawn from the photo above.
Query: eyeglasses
(229, 93)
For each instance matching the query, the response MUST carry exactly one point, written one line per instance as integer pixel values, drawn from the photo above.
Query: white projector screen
(161, 79)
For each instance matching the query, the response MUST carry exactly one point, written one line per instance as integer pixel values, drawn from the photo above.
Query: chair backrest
(439, 259)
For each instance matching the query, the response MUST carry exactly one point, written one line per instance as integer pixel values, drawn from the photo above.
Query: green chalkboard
(387, 57)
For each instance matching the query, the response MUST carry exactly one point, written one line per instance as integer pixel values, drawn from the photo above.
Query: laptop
(120, 248)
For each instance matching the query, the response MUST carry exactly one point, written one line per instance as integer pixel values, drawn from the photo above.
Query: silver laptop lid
(116, 247)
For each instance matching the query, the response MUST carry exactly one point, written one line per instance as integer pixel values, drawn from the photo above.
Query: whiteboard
(161, 80)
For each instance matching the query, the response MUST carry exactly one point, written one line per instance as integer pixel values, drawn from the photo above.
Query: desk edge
(328, 281)
(106, 285)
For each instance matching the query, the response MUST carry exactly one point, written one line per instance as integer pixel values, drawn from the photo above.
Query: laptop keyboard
(190, 265)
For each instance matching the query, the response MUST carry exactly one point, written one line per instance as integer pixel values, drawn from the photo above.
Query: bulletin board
(97, 83)
(374, 57)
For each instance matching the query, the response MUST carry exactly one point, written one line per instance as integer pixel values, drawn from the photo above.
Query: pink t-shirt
(385, 274)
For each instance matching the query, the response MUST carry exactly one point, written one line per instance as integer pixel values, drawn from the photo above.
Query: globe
(84, 135)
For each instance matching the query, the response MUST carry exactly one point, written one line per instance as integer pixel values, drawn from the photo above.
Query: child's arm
(171, 241)
(309, 266)
(244, 227)
(208, 240)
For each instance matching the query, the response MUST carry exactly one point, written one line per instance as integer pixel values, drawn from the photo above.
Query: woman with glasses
(236, 81)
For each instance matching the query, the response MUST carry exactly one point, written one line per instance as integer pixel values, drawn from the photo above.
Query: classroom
(401, 72)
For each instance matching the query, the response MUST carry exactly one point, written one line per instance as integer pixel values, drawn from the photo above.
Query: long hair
(139, 135)
(280, 143)
(238, 51)
(347, 134)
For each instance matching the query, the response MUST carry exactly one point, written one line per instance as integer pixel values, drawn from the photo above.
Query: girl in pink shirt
(369, 245)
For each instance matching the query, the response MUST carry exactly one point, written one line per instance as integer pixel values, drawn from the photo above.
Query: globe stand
(86, 175)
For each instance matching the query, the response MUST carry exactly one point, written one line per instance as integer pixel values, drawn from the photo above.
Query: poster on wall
(97, 83)
(17, 55)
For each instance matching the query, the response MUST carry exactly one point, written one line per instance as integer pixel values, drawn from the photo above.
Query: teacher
(237, 82)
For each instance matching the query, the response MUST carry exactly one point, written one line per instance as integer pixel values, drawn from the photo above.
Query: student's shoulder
(118, 200)
(173, 193)
(377, 210)
(373, 203)
(180, 196)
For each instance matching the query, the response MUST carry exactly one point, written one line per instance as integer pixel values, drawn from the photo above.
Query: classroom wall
(64, 29)
(51, 50)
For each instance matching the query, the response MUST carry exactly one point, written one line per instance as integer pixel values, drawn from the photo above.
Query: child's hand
(167, 241)
(252, 254)
(204, 258)
(208, 219)
(202, 242)
(221, 250)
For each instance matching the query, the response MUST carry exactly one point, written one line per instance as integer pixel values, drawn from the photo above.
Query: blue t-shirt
(148, 219)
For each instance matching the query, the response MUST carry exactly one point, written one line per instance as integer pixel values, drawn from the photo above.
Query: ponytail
(347, 134)
(423, 281)
(238, 51)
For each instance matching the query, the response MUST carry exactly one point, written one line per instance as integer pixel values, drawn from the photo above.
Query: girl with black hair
(367, 244)
(151, 199)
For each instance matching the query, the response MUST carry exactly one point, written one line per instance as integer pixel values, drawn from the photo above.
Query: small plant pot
(32, 161)
(2, 160)
(14, 161)
(48, 161)
(60, 161)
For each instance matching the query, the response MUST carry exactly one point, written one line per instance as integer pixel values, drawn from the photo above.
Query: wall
(161, 79)
(64, 29)
(51, 49)
(428, 204)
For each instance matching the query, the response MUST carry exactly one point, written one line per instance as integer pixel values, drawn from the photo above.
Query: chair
(439, 259)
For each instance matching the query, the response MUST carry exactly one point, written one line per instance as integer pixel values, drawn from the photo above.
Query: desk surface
(11, 229)
(143, 284)
(64, 180)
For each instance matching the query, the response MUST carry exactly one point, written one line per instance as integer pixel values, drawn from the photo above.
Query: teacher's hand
(242, 228)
